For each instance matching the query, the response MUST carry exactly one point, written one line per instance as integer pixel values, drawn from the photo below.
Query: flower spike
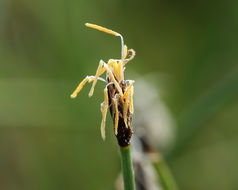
(118, 94)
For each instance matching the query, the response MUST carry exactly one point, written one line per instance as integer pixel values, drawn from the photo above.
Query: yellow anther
(125, 99)
(115, 69)
(125, 108)
(106, 96)
(114, 65)
(103, 123)
(113, 80)
(120, 70)
(131, 105)
(102, 71)
(125, 52)
(103, 29)
(98, 73)
(104, 108)
(116, 116)
(128, 89)
(79, 88)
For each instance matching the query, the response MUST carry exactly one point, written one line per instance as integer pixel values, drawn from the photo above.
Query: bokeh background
(49, 141)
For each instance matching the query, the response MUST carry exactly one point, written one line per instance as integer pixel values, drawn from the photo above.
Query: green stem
(166, 177)
(127, 168)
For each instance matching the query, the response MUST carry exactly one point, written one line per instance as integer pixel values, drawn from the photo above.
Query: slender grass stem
(207, 106)
(127, 168)
(166, 177)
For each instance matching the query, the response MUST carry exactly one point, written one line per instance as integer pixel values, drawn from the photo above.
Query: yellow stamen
(125, 100)
(102, 71)
(115, 70)
(104, 108)
(103, 29)
(125, 108)
(131, 105)
(79, 88)
(113, 80)
(120, 70)
(106, 96)
(125, 51)
(110, 63)
(114, 65)
(128, 89)
(98, 73)
(103, 123)
(116, 116)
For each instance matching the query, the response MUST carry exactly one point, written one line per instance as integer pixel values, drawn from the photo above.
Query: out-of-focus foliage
(48, 141)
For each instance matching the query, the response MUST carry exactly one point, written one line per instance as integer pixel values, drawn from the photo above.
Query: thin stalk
(206, 107)
(166, 177)
(127, 168)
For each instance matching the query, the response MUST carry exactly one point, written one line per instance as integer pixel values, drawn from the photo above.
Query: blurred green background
(49, 141)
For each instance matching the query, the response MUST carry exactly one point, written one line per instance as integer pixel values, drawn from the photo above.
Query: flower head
(118, 93)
